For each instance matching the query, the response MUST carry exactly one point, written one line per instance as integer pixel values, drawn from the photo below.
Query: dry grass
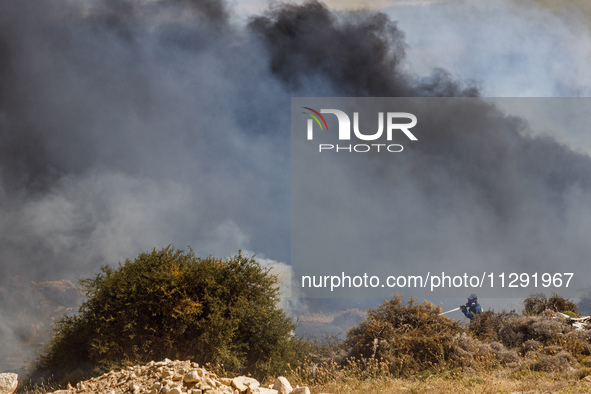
(503, 380)
(468, 385)
(407, 347)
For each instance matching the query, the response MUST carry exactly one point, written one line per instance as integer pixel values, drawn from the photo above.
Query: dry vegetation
(408, 347)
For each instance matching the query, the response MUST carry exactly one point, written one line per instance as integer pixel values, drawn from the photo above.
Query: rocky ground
(177, 377)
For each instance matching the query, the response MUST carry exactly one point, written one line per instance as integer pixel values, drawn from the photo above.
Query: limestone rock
(243, 383)
(8, 382)
(172, 377)
(301, 390)
(262, 390)
(282, 385)
(192, 377)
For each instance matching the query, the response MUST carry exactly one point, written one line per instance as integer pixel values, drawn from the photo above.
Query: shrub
(169, 303)
(518, 331)
(504, 355)
(473, 354)
(408, 337)
(537, 303)
(486, 325)
(577, 343)
(531, 345)
(559, 304)
(560, 361)
(543, 334)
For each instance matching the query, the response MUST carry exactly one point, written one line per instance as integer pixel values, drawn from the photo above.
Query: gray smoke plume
(127, 126)
(130, 125)
(525, 48)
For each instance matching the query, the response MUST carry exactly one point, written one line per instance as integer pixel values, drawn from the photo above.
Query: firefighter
(472, 307)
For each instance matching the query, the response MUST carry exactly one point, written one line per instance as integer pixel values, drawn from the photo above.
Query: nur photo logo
(396, 123)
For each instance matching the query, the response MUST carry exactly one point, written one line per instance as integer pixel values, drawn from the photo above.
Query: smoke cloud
(127, 127)
(363, 59)
(532, 48)
(478, 192)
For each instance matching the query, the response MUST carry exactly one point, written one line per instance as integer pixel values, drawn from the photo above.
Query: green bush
(169, 303)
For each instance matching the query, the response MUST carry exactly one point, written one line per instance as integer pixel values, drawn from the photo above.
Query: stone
(192, 377)
(148, 379)
(262, 390)
(243, 383)
(301, 390)
(282, 385)
(162, 363)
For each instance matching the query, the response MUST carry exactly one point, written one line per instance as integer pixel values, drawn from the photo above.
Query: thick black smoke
(357, 55)
(128, 125)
